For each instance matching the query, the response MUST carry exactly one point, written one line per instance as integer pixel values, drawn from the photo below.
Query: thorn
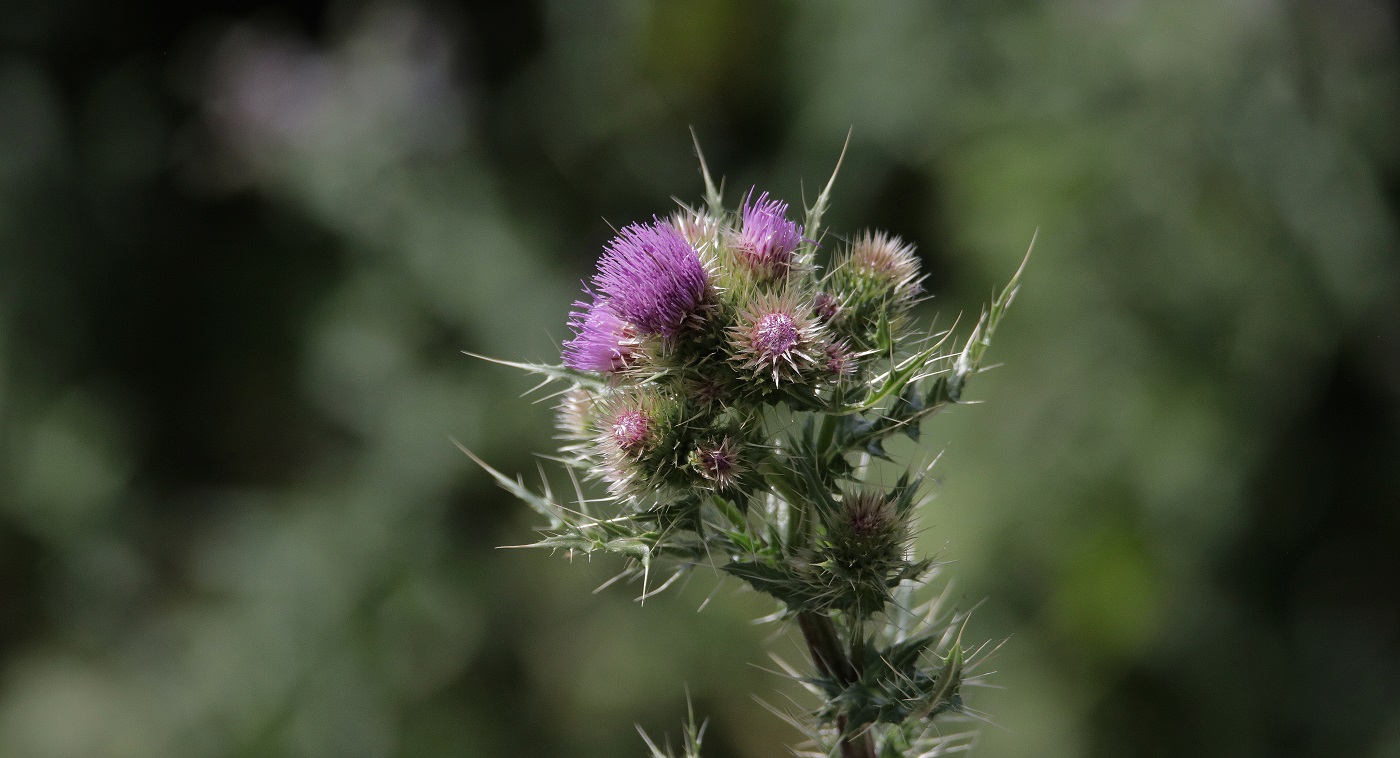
(712, 195)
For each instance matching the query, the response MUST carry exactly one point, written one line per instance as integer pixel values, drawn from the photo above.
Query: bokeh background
(242, 244)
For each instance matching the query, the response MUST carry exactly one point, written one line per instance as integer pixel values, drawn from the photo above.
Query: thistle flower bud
(638, 437)
(718, 462)
(827, 306)
(766, 240)
(887, 263)
(706, 391)
(602, 342)
(631, 432)
(840, 362)
(653, 279)
(776, 336)
(873, 282)
(863, 551)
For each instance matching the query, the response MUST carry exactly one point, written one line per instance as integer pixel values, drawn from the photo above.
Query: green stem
(828, 655)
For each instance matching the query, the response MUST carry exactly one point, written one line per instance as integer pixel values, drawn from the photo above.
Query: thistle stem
(824, 645)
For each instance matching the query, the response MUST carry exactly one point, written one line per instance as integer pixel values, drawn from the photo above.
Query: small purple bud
(718, 462)
(839, 361)
(766, 240)
(866, 534)
(653, 279)
(705, 391)
(826, 306)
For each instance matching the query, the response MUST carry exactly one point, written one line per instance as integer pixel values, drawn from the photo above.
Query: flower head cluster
(700, 321)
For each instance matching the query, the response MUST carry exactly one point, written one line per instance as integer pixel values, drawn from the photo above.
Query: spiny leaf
(970, 359)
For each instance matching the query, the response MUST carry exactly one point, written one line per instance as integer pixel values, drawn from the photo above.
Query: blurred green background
(242, 245)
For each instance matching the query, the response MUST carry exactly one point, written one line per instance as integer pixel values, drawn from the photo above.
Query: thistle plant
(731, 376)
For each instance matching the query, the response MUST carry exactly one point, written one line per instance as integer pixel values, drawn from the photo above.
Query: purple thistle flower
(653, 278)
(774, 334)
(767, 240)
(602, 342)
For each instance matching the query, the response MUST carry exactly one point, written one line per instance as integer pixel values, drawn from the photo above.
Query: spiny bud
(641, 438)
(718, 462)
(862, 551)
(886, 261)
(840, 362)
(873, 282)
(698, 228)
(631, 432)
(827, 306)
(866, 531)
(573, 417)
(777, 337)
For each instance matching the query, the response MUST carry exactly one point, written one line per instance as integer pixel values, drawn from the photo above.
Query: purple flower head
(776, 336)
(653, 278)
(602, 342)
(766, 240)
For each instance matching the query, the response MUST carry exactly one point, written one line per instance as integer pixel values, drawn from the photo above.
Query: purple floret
(602, 341)
(767, 239)
(652, 278)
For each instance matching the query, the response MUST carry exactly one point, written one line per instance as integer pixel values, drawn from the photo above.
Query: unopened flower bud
(887, 262)
(698, 228)
(839, 359)
(826, 306)
(862, 551)
(718, 462)
(574, 414)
